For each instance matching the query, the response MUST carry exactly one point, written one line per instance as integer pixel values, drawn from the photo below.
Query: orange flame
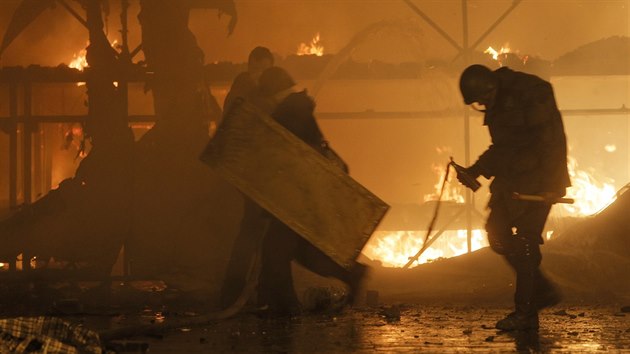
(313, 48)
(503, 55)
(452, 191)
(394, 248)
(79, 61)
(590, 193)
(495, 53)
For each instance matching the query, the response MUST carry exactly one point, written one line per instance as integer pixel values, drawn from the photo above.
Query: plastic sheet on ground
(46, 335)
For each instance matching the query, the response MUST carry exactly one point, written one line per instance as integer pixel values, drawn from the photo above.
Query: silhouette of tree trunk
(185, 216)
(86, 219)
(177, 217)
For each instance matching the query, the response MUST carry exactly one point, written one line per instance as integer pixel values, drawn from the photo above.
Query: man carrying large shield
(318, 215)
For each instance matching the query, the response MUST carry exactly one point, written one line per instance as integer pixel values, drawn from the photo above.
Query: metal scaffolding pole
(464, 51)
(470, 198)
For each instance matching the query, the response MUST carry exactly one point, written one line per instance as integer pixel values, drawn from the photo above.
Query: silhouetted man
(281, 245)
(244, 86)
(528, 155)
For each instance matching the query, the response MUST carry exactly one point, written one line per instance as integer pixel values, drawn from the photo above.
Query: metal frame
(30, 121)
(464, 51)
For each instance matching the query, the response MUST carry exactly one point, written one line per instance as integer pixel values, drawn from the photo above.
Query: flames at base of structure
(591, 194)
(395, 248)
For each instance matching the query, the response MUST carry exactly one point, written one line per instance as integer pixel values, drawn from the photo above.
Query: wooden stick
(539, 198)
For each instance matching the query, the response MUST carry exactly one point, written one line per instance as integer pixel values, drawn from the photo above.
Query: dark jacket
(296, 114)
(528, 153)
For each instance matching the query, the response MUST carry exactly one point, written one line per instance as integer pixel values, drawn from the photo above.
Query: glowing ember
(313, 48)
(590, 194)
(549, 234)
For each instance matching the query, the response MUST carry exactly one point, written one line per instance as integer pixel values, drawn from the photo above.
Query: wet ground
(390, 326)
(394, 329)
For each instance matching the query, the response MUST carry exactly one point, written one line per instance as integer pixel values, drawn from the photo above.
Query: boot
(519, 321)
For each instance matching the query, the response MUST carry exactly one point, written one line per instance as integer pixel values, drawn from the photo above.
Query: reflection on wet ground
(397, 329)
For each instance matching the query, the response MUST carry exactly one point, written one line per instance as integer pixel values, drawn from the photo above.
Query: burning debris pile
(588, 261)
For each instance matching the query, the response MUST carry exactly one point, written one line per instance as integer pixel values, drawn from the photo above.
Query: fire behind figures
(527, 156)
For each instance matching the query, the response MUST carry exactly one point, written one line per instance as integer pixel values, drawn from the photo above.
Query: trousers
(514, 231)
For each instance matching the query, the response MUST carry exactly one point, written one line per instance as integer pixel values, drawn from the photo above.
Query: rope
(425, 244)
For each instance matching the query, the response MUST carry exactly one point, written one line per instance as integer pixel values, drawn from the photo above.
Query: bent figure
(276, 294)
(528, 155)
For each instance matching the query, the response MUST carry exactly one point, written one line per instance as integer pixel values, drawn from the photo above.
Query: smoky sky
(542, 28)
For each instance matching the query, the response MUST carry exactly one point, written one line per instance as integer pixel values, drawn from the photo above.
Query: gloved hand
(468, 176)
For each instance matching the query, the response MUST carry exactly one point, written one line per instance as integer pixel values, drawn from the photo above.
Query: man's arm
(494, 161)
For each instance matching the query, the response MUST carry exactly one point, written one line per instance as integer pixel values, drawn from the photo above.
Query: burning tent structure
(181, 217)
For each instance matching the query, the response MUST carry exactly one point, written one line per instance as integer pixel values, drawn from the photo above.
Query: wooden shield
(295, 183)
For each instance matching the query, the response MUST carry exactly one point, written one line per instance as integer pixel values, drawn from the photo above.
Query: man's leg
(525, 257)
(545, 292)
(499, 227)
(245, 246)
(275, 287)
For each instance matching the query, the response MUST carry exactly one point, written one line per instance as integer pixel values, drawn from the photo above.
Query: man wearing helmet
(527, 155)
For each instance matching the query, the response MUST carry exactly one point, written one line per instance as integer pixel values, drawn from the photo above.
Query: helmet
(274, 80)
(476, 81)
